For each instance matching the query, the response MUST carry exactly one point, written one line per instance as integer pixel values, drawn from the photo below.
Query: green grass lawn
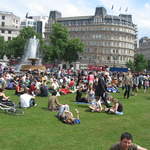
(39, 129)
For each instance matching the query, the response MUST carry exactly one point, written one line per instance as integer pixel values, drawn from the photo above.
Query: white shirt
(25, 100)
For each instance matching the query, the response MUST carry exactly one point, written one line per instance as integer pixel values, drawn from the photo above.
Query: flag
(126, 9)
(112, 7)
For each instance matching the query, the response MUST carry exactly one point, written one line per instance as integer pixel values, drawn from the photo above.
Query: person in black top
(79, 97)
(101, 89)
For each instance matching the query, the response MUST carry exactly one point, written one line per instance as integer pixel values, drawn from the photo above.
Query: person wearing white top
(26, 100)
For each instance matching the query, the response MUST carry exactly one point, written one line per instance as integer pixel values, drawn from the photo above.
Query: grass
(39, 129)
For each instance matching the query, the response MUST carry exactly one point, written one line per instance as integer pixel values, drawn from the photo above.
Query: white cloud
(140, 13)
(147, 5)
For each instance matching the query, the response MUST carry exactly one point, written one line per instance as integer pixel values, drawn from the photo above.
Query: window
(3, 31)
(3, 17)
(9, 32)
(3, 24)
(9, 38)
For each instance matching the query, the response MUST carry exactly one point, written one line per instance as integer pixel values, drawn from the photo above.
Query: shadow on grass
(45, 108)
(81, 105)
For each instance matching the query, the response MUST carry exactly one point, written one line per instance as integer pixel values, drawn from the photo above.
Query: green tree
(148, 66)
(74, 47)
(62, 47)
(130, 64)
(15, 47)
(2, 46)
(58, 39)
(27, 33)
(140, 62)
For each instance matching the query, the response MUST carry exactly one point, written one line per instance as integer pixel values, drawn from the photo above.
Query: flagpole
(112, 12)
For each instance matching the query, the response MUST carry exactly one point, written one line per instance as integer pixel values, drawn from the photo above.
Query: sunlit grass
(39, 129)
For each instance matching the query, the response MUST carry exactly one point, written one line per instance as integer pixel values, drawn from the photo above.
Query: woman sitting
(19, 90)
(66, 116)
(91, 94)
(53, 103)
(5, 99)
(79, 97)
(117, 107)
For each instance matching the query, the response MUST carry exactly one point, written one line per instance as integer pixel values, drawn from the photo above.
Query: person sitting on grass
(79, 97)
(125, 143)
(27, 100)
(117, 107)
(19, 89)
(96, 106)
(66, 116)
(5, 99)
(53, 103)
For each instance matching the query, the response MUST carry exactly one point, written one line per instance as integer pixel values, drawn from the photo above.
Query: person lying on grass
(66, 116)
(117, 107)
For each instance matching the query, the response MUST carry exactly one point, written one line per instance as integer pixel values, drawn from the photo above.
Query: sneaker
(35, 105)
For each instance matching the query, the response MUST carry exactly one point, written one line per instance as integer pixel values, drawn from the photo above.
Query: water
(31, 51)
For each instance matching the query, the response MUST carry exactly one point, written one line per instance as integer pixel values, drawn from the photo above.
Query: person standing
(128, 84)
(101, 89)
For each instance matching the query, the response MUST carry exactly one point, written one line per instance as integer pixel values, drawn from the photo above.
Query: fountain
(31, 60)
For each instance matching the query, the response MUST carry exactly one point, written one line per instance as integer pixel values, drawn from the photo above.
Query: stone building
(109, 40)
(9, 25)
(36, 22)
(144, 47)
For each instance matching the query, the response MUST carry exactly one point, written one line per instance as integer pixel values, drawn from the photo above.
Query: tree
(140, 62)
(27, 33)
(74, 47)
(2, 46)
(62, 47)
(130, 64)
(148, 66)
(16, 46)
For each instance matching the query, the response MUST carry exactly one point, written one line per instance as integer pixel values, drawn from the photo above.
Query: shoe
(35, 105)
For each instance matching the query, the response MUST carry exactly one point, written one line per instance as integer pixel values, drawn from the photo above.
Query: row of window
(6, 31)
(7, 38)
(110, 51)
(101, 28)
(96, 21)
(111, 59)
(112, 37)
(110, 44)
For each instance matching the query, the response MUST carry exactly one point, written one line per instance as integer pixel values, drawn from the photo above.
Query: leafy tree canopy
(62, 47)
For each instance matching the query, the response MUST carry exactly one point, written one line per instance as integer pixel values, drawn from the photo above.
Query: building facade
(9, 25)
(36, 22)
(109, 40)
(144, 47)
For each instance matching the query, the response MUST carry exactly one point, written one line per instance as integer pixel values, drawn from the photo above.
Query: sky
(139, 9)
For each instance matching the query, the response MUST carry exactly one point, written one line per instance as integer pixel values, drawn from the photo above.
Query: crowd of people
(91, 87)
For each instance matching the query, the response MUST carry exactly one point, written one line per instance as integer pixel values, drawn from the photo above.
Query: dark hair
(54, 93)
(126, 135)
(1, 90)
